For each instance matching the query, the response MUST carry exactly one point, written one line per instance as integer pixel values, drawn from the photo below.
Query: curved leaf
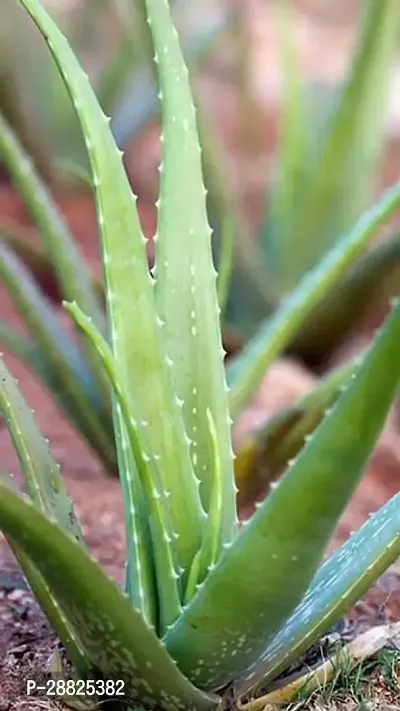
(60, 350)
(272, 563)
(113, 635)
(339, 583)
(74, 279)
(41, 473)
(247, 369)
(267, 449)
(189, 309)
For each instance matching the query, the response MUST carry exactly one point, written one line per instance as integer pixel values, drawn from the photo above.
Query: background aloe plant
(206, 605)
(330, 144)
(110, 39)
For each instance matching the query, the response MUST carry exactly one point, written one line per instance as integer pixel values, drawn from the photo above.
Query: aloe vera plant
(207, 606)
(328, 153)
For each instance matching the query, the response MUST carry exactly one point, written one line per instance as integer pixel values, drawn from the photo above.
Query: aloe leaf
(339, 184)
(60, 351)
(160, 524)
(112, 634)
(74, 279)
(38, 586)
(51, 610)
(189, 311)
(285, 539)
(135, 332)
(208, 554)
(247, 369)
(343, 579)
(142, 103)
(41, 473)
(370, 282)
(274, 442)
(27, 351)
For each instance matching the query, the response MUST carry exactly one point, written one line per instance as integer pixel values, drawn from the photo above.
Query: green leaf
(142, 103)
(338, 186)
(189, 309)
(135, 331)
(277, 553)
(339, 583)
(208, 554)
(40, 589)
(247, 370)
(156, 505)
(267, 449)
(371, 281)
(41, 473)
(26, 350)
(73, 276)
(60, 351)
(113, 635)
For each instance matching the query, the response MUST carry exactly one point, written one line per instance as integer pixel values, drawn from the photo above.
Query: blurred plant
(210, 612)
(109, 38)
(330, 145)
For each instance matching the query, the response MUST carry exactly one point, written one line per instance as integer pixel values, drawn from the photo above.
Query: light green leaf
(267, 450)
(276, 555)
(156, 505)
(338, 186)
(247, 369)
(339, 583)
(40, 589)
(25, 349)
(73, 276)
(142, 103)
(189, 309)
(135, 331)
(41, 473)
(60, 351)
(113, 635)
(370, 283)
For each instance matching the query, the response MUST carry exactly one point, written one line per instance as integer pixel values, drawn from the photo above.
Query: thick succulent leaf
(142, 103)
(27, 351)
(189, 309)
(263, 576)
(339, 183)
(135, 330)
(339, 583)
(41, 473)
(369, 284)
(157, 505)
(60, 351)
(74, 279)
(51, 610)
(267, 450)
(38, 586)
(112, 634)
(247, 369)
